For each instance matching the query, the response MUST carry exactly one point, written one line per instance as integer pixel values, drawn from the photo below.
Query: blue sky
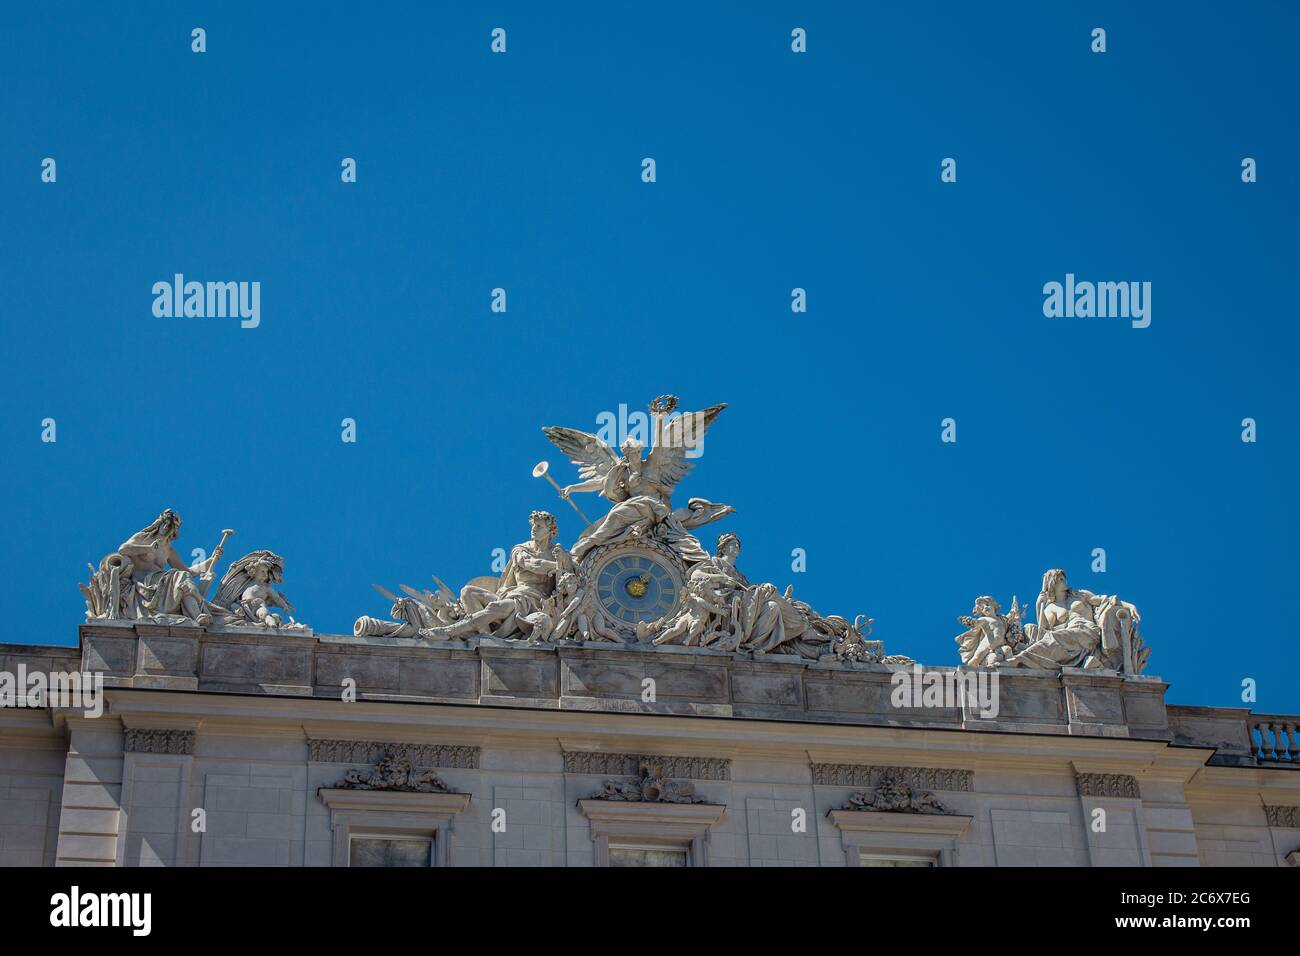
(775, 171)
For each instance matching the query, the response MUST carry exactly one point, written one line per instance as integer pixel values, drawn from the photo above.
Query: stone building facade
(238, 746)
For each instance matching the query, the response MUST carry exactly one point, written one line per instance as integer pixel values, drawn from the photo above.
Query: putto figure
(990, 637)
(245, 596)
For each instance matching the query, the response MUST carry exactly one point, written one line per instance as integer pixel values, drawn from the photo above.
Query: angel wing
(592, 456)
(233, 583)
(667, 463)
(237, 577)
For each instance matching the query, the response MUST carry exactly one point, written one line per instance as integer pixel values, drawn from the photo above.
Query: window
(867, 860)
(650, 834)
(648, 856)
(391, 851)
(392, 828)
(885, 838)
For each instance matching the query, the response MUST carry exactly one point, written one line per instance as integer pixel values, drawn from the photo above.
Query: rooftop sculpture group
(146, 580)
(636, 575)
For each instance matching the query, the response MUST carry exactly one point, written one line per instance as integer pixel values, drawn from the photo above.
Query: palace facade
(237, 746)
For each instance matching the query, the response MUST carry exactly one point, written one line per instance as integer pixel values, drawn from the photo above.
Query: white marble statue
(1075, 628)
(638, 574)
(531, 598)
(245, 597)
(641, 489)
(146, 580)
(990, 636)
(722, 609)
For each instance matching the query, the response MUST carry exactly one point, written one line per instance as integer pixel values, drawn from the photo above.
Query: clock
(636, 582)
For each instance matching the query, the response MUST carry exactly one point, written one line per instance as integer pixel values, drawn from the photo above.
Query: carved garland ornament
(891, 796)
(395, 773)
(651, 785)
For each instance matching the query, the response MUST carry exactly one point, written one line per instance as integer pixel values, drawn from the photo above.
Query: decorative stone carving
(245, 597)
(621, 764)
(723, 609)
(636, 575)
(651, 785)
(1075, 628)
(146, 580)
(867, 776)
(639, 491)
(893, 796)
(990, 637)
(148, 741)
(372, 751)
(393, 772)
(1283, 816)
(1108, 785)
(535, 597)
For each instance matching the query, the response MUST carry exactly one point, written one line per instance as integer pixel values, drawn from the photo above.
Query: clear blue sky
(775, 170)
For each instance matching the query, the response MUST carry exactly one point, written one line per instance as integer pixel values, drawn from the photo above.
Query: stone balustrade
(1275, 738)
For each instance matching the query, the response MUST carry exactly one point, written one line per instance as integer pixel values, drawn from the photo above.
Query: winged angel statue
(638, 574)
(641, 491)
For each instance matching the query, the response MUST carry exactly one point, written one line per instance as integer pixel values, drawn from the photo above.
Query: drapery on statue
(721, 608)
(532, 596)
(1075, 628)
(146, 580)
(538, 593)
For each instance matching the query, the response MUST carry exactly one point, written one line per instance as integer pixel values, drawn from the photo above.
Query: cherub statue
(246, 597)
(641, 490)
(990, 637)
(705, 603)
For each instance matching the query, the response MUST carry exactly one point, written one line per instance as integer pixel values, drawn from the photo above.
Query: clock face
(636, 585)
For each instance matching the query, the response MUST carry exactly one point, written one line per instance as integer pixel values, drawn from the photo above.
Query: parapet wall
(622, 678)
